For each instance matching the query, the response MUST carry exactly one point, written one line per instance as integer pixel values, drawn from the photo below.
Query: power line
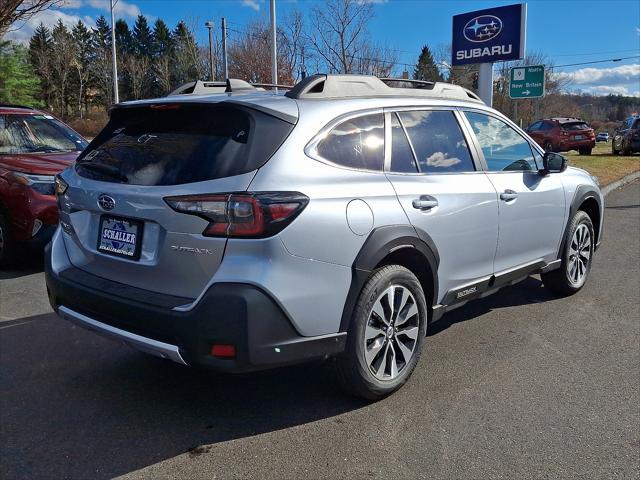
(595, 61)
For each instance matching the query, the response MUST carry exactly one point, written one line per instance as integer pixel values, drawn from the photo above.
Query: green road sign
(526, 82)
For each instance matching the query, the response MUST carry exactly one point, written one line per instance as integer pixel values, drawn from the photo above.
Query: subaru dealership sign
(491, 35)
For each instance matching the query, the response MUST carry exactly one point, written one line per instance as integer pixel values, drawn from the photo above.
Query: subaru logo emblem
(482, 28)
(105, 202)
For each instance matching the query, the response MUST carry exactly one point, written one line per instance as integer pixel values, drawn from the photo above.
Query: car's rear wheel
(7, 245)
(386, 334)
(548, 146)
(584, 151)
(576, 257)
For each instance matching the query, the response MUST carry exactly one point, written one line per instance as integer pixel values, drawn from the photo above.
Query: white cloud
(613, 90)
(596, 76)
(251, 4)
(122, 8)
(21, 33)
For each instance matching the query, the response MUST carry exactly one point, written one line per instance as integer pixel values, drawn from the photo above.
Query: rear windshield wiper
(112, 172)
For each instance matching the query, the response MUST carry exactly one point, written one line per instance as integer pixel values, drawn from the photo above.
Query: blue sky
(570, 31)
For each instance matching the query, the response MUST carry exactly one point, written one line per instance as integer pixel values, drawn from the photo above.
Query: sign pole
(485, 83)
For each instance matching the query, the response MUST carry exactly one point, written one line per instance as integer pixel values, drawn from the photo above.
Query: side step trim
(144, 344)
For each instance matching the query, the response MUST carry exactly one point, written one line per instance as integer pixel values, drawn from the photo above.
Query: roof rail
(362, 86)
(200, 87)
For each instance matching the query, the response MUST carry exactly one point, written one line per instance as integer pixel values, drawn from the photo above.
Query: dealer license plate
(120, 236)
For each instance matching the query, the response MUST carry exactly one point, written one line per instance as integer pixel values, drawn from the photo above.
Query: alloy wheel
(391, 333)
(579, 255)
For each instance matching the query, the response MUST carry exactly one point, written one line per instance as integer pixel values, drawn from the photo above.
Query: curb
(607, 189)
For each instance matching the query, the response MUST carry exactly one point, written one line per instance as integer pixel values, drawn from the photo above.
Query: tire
(548, 146)
(576, 258)
(386, 368)
(626, 151)
(7, 244)
(613, 149)
(584, 151)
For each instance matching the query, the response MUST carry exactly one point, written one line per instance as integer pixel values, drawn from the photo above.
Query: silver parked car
(247, 229)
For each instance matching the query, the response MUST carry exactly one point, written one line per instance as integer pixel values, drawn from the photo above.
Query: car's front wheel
(386, 334)
(576, 257)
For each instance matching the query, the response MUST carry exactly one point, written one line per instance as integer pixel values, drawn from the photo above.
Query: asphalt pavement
(521, 384)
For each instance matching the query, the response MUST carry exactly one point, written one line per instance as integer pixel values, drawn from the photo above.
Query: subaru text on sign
(491, 35)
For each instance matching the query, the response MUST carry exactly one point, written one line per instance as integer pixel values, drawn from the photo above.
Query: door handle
(508, 195)
(425, 202)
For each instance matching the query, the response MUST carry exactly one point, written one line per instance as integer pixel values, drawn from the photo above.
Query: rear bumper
(229, 313)
(565, 145)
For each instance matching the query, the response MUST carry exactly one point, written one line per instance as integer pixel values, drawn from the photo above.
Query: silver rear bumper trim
(144, 344)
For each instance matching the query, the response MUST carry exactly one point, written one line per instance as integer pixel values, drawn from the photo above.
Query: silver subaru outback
(247, 230)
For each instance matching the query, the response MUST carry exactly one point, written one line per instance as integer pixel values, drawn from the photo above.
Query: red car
(34, 147)
(563, 134)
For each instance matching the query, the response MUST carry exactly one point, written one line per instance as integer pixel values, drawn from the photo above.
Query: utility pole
(116, 97)
(209, 26)
(274, 53)
(224, 49)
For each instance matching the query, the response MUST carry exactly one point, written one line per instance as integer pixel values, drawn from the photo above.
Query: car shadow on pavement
(25, 263)
(75, 405)
(530, 290)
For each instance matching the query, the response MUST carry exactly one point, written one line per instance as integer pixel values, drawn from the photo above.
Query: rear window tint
(181, 143)
(356, 143)
(575, 126)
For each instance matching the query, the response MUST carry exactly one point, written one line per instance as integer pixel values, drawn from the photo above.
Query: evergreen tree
(83, 40)
(162, 54)
(18, 83)
(124, 39)
(40, 58)
(101, 68)
(426, 68)
(187, 66)
(124, 42)
(142, 37)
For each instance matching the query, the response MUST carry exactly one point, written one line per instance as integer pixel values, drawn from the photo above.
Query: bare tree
(292, 44)
(12, 11)
(339, 33)
(63, 54)
(137, 68)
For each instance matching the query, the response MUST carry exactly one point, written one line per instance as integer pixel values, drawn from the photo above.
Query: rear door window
(173, 144)
(356, 143)
(437, 141)
(402, 159)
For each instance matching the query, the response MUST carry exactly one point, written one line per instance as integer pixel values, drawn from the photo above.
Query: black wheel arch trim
(583, 193)
(380, 243)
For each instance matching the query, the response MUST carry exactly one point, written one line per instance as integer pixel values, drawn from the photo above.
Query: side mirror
(553, 163)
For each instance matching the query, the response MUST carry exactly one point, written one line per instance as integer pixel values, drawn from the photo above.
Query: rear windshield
(171, 144)
(575, 126)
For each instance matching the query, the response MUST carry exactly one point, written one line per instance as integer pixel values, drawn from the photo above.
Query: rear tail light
(223, 351)
(243, 215)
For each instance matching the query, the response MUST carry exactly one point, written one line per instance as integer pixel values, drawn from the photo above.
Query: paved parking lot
(518, 385)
